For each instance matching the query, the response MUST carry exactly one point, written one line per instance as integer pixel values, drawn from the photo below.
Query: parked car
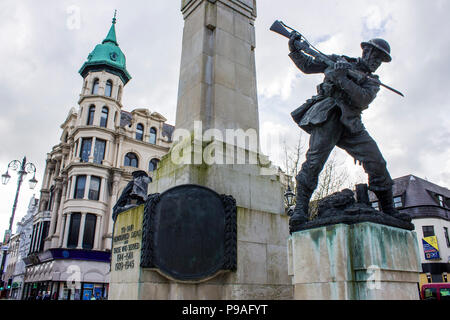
(435, 291)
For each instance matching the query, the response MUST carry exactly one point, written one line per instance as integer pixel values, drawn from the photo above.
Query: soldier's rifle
(304, 45)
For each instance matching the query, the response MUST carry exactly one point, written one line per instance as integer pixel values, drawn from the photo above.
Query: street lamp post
(23, 169)
(289, 200)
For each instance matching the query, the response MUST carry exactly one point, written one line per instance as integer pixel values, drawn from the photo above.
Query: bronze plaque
(189, 233)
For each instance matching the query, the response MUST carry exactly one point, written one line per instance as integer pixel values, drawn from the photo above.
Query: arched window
(131, 160)
(91, 113)
(95, 86)
(153, 165)
(140, 132)
(104, 118)
(108, 88)
(153, 136)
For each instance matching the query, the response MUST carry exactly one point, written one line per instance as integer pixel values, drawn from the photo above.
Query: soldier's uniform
(333, 118)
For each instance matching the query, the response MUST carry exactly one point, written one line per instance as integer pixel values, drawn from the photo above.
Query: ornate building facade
(100, 146)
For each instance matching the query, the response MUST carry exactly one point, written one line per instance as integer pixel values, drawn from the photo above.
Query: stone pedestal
(261, 263)
(364, 261)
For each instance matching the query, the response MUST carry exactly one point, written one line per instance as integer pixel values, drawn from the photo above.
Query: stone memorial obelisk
(214, 166)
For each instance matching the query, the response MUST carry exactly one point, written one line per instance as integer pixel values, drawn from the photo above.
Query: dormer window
(108, 88)
(398, 203)
(441, 200)
(95, 86)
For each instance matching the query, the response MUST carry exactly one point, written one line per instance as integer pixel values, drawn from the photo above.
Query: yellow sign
(431, 248)
(432, 241)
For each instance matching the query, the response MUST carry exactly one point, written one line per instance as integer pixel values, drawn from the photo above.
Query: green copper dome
(107, 56)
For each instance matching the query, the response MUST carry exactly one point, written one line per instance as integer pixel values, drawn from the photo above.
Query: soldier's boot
(387, 205)
(300, 214)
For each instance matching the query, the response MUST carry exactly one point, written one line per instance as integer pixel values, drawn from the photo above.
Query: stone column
(86, 187)
(91, 155)
(66, 230)
(55, 206)
(108, 159)
(81, 231)
(217, 83)
(103, 187)
(97, 245)
(57, 234)
(72, 187)
(118, 160)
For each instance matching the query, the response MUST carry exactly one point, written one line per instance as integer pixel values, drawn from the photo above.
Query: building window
(153, 135)
(80, 185)
(140, 132)
(131, 160)
(50, 201)
(398, 202)
(441, 200)
(447, 238)
(104, 117)
(89, 231)
(86, 145)
(44, 235)
(108, 89)
(94, 188)
(95, 86)
(74, 230)
(153, 165)
(428, 231)
(375, 205)
(33, 238)
(91, 113)
(99, 151)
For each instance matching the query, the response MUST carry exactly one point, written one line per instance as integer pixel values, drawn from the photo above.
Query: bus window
(430, 294)
(445, 293)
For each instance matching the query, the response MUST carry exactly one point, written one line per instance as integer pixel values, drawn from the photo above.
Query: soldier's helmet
(139, 173)
(381, 45)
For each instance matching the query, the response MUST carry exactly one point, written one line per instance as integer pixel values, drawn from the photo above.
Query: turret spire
(111, 37)
(107, 56)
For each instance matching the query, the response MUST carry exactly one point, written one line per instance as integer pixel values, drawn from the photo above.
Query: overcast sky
(44, 44)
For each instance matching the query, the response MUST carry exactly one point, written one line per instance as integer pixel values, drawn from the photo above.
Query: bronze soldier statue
(333, 118)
